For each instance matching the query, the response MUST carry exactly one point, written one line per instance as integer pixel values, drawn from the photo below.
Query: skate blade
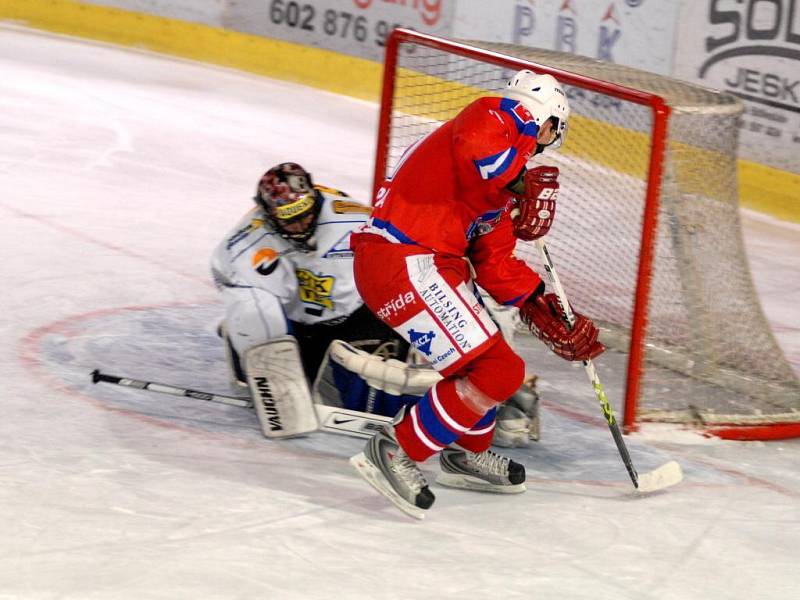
(375, 478)
(664, 476)
(465, 482)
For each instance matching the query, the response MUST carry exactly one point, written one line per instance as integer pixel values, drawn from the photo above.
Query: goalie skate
(518, 417)
(387, 468)
(482, 471)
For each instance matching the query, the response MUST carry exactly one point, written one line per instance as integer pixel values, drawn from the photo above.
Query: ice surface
(119, 171)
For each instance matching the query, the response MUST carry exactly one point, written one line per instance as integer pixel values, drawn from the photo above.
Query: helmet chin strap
(308, 244)
(540, 147)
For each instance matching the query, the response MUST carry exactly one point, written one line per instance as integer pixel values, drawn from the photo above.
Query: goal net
(647, 240)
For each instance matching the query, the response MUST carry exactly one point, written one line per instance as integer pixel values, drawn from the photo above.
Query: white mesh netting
(710, 356)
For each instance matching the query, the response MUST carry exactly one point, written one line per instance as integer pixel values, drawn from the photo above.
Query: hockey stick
(164, 388)
(664, 476)
(332, 419)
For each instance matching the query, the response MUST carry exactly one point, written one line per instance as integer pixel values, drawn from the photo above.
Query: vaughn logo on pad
(268, 403)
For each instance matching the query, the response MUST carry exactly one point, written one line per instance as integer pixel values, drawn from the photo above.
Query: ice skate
(388, 469)
(482, 471)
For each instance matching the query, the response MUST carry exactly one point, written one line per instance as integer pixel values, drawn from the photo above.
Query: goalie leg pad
(280, 392)
(357, 394)
(353, 379)
(252, 317)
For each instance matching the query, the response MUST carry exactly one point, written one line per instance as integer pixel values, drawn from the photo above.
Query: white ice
(119, 171)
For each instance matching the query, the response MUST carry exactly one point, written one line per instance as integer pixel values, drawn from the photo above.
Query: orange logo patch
(265, 260)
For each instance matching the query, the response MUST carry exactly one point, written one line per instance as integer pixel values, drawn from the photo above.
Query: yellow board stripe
(331, 71)
(769, 190)
(761, 188)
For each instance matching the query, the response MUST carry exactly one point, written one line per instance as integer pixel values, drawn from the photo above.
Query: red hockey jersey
(447, 194)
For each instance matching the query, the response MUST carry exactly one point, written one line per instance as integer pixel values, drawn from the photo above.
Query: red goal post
(659, 152)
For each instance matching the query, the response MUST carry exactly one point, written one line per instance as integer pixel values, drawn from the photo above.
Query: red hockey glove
(533, 213)
(546, 320)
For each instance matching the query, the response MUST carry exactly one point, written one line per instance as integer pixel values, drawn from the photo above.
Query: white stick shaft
(172, 390)
(591, 372)
(331, 419)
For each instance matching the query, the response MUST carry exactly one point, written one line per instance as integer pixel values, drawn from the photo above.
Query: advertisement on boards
(750, 48)
(355, 27)
(636, 33)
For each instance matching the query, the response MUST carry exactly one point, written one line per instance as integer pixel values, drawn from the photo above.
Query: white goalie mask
(544, 98)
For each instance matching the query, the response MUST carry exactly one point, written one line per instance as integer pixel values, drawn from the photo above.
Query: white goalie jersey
(312, 286)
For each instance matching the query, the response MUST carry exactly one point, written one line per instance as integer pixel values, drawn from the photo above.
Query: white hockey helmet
(544, 98)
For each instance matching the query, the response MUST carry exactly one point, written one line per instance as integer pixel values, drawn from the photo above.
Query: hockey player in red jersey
(464, 192)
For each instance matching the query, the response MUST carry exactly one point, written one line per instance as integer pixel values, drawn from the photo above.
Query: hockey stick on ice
(173, 390)
(332, 419)
(664, 476)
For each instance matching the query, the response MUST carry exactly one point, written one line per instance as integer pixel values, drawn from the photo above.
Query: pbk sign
(524, 22)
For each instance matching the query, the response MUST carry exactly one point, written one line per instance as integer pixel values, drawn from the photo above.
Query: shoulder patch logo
(522, 113)
(484, 224)
(265, 260)
(523, 119)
